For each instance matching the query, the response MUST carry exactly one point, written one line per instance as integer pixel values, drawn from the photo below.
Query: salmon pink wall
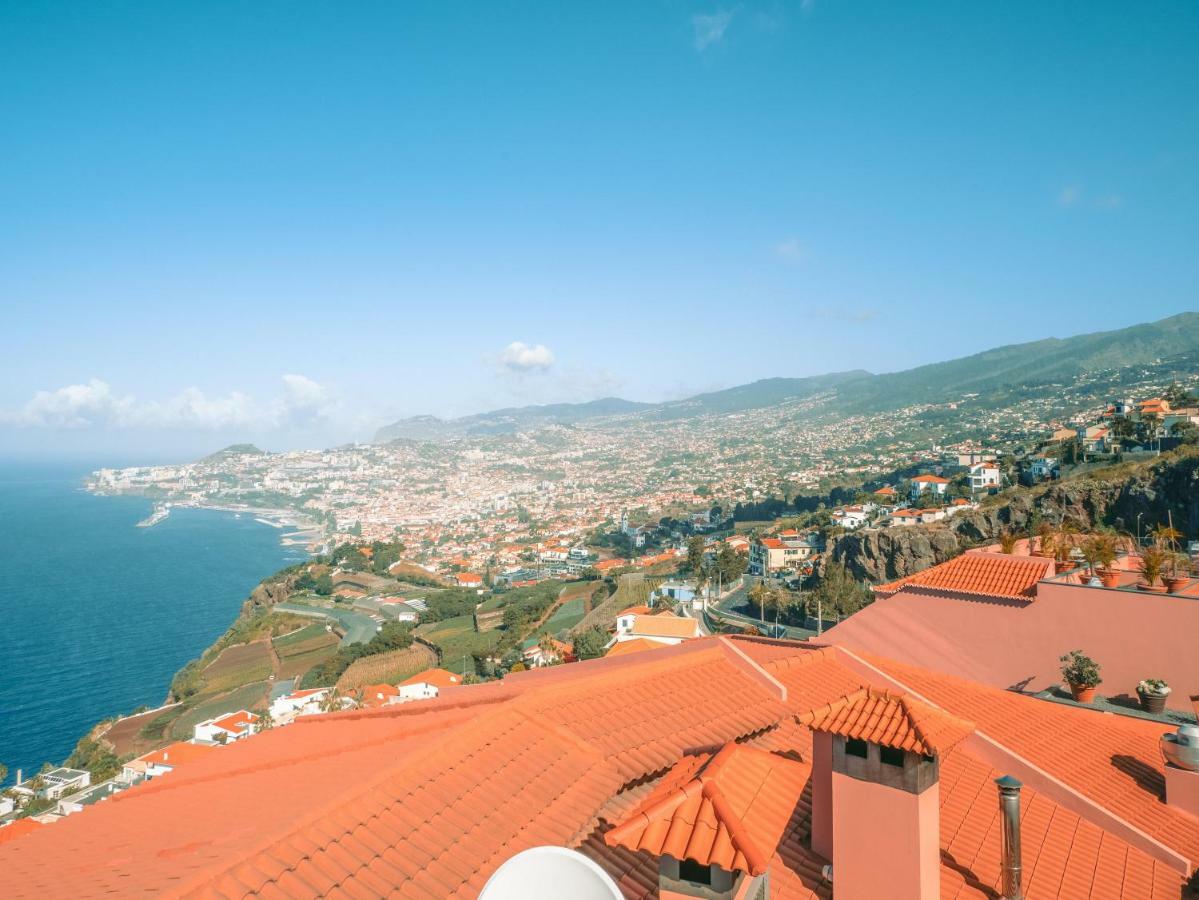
(885, 841)
(1008, 643)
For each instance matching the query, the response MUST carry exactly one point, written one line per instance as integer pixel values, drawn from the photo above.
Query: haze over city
(296, 223)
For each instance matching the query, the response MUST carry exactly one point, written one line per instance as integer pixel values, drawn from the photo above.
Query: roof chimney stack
(1009, 809)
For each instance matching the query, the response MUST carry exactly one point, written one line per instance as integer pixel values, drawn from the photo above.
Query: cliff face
(274, 590)
(1111, 497)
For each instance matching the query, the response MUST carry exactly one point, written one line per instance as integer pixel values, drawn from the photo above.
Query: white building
(922, 483)
(223, 730)
(984, 476)
(428, 684)
(298, 703)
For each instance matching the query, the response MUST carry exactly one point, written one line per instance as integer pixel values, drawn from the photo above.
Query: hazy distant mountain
(505, 421)
(1031, 366)
(233, 450)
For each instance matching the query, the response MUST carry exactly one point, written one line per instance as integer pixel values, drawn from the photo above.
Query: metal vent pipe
(1009, 811)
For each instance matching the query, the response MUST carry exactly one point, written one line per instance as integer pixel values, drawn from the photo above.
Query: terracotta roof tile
(976, 572)
(18, 829)
(892, 720)
(728, 809)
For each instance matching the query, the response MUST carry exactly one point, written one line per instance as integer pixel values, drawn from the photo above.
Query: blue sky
(292, 221)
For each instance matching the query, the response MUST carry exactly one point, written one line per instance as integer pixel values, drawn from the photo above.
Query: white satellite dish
(550, 873)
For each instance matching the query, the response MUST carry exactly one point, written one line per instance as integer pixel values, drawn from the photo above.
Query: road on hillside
(359, 627)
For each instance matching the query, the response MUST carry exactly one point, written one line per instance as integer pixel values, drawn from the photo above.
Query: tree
(695, 554)
(590, 644)
(839, 592)
(3, 772)
(760, 594)
(730, 564)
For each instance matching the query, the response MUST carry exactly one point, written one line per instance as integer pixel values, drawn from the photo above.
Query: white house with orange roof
(224, 729)
(924, 483)
(665, 628)
(298, 703)
(625, 619)
(427, 684)
(984, 476)
(163, 761)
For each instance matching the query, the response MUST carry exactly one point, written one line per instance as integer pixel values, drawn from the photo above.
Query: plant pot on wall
(1110, 577)
(1152, 703)
(1174, 585)
(1082, 693)
(1152, 588)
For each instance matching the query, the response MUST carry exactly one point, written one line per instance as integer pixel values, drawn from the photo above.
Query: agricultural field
(126, 736)
(247, 696)
(566, 617)
(237, 665)
(632, 589)
(457, 638)
(301, 650)
(387, 668)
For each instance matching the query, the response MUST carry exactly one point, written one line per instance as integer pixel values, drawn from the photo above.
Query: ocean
(98, 614)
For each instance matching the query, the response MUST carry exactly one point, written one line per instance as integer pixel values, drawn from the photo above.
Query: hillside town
(496, 595)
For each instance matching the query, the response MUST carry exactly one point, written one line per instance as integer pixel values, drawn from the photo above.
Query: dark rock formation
(1157, 491)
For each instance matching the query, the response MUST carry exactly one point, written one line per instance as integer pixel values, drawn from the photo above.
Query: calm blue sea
(99, 614)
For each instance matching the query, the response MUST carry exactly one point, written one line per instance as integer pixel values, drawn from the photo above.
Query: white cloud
(839, 314)
(709, 28)
(1074, 196)
(1069, 195)
(521, 357)
(95, 405)
(792, 249)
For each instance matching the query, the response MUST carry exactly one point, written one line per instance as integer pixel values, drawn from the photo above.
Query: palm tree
(1167, 536)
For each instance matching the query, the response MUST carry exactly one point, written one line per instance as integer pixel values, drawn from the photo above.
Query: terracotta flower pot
(1152, 588)
(1174, 585)
(1082, 694)
(1064, 566)
(1152, 703)
(1110, 577)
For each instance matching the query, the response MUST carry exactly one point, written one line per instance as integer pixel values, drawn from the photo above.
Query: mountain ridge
(1039, 363)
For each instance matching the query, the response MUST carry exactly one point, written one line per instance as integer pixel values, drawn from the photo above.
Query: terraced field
(632, 589)
(387, 668)
(457, 639)
(238, 665)
(247, 696)
(301, 650)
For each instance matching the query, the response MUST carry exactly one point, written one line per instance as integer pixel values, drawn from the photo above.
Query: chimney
(1181, 750)
(1009, 852)
(876, 794)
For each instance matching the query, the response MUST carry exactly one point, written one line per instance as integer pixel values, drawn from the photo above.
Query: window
(690, 870)
(892, 756)
(855, 747)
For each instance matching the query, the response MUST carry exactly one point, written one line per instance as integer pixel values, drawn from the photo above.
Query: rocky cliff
(1114, 496)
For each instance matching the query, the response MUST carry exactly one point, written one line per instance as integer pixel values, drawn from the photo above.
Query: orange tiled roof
(668, 626)
(440, 678)
(893, 720)
(931, 479)
(18, 829)
(977, 572)
(727, 809)
(450, 788)
(176, 754)
(236, 721)
(636, 645)
(1114, 760)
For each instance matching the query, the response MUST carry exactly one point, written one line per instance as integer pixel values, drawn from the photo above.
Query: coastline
(144, 602)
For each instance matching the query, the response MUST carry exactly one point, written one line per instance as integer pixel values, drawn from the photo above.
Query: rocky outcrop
(1158, 491)
(274, 590)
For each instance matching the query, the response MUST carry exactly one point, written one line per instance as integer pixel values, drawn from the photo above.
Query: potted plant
(1007, 541)
(1063, 546)
(1082, 674)
(1045, 540)
(1177, 575)
(1099, 550)
(1153, 562)
(1153, 693)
